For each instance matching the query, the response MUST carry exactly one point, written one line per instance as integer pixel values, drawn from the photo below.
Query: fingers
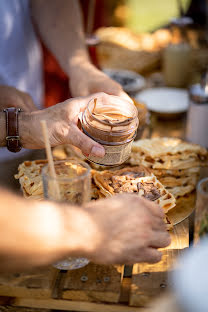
(150, 255)
(85, 144)
(159, 224)
(155, 209)
(160, 239)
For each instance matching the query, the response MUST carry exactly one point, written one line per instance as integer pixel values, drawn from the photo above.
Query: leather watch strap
(12, 129)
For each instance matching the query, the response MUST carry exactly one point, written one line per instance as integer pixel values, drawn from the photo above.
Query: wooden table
(97, 287)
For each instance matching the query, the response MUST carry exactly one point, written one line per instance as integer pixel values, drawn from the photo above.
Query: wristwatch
(12, 129)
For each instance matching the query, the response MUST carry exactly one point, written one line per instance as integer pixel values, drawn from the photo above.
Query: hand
(11, 97)
(62, 123)
(129, 229)
(87, 79)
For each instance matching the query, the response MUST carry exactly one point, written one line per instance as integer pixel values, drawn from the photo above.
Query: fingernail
(97, 151)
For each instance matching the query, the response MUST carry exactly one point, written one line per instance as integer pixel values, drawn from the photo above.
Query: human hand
(87, 79)
(129, 229)
(11, 97)
(62, 123)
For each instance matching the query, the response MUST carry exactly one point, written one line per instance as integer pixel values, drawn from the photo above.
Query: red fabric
(56, 81)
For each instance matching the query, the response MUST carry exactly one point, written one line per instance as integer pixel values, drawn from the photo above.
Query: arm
(11, 97)
(60, 26)
(35, 233)
(62, 121)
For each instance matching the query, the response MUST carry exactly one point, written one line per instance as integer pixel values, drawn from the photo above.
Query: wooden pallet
(95, 287)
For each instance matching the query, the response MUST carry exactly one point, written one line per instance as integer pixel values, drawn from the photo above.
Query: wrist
(80, 232)
(78, 66)
(29, 130)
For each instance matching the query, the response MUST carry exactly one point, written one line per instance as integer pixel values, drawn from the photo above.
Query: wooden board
(34, 284)
(67, 305)
(21, 309)
(94, 283)
(150, 280)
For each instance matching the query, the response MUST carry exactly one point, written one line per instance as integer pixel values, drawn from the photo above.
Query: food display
(175, 162)
(163, 170)
(138, 180)
(30, 178)
(120, 48)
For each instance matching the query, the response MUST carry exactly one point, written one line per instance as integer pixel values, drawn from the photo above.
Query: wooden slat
(67, 305)
(94, 283)
(150, 280)
(21, 309)
(35, 284)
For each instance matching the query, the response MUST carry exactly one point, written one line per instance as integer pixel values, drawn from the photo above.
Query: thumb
(125, 96)
(84, 143)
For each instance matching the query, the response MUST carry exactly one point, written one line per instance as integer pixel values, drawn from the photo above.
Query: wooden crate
(95, 287)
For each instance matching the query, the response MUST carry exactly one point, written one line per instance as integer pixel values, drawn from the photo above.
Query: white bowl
(164, 100)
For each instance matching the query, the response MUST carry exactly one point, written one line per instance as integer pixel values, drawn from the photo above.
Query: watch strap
(12, 129)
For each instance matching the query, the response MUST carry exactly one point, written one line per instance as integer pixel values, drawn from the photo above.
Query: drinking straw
(50, 159)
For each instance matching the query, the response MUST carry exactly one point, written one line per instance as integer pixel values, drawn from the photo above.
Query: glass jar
(112, 122)
(72, 184)
(201, 213)
(196, 129)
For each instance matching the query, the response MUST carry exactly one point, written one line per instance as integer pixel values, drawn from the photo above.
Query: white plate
(129, 80)
(164, 100)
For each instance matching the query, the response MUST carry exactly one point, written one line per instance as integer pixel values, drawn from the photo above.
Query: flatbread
(30, 179)
(157, 147)
(137, 180)
(29, 175)
(176, 172)
(178, 191)
(168, 163)
(179, 181)
(168, 153)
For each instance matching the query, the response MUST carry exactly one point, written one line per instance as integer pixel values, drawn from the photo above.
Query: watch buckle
(12, 137)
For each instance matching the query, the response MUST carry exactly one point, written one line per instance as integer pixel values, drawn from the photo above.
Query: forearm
(60, 26)
(38, 233)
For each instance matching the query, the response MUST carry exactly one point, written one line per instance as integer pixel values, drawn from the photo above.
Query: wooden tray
(98, 288)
